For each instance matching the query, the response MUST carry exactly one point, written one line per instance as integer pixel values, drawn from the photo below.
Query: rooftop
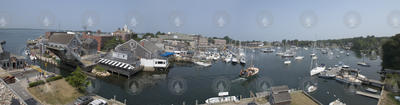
(61, 38)
(281, 97)
(278, 89)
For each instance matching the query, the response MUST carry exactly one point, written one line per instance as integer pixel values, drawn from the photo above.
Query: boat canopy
(166, 54)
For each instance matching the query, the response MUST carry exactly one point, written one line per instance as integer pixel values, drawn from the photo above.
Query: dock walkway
(368, 94)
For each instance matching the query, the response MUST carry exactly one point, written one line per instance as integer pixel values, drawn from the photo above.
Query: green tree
(78, 79)
(111, 44)
(391, 53)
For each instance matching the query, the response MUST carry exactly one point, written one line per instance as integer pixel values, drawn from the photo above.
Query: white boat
(317, 70)
(251, 71)
(243, 60)
(312, 54)
(32, 57)
(235, 60)
(287, 62)
(311, 88)
(341, 52)
(202, 63)
(279, 53)
(215, 100)
(371, 90)
(363, 64)
(337, 102)
(314, 57)
(228, 58)
(348, 54)
(299, 57)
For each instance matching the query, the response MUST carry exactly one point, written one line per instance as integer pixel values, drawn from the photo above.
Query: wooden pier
(47, 60)
(368, 94)
(372, 82)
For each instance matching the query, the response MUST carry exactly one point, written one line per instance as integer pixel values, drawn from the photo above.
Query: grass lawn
(298, 98)
(57, 92)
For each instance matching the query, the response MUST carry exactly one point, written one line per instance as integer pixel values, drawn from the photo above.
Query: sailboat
(363, 63)
(317, 69)
(250, 71)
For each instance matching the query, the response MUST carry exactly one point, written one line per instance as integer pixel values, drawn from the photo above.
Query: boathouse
(280, 95)
(9, 61)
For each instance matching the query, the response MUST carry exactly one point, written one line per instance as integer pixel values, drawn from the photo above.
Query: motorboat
(311, 88)
(32, 57)
(228, 58)
(279, 53)
(287, 62)
(312, 54)
(242, 60)
(235, 60)
(314, 57)
(202, 63)
(299, 57)
(317, 70)
(251, 71)
(350, 79)
(337, 102)
(215, 100)
(363, 64)
(371, 90)
(268, 50)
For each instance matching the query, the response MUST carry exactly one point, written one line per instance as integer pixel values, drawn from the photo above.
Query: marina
(195, 80)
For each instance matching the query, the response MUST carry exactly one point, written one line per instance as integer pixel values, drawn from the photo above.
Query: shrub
(99, 68)
(33, 84)
(54, 78)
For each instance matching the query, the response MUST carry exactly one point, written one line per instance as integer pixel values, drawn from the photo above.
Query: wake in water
(238, 79)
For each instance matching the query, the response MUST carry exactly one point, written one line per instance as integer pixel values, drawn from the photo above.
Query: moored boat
(311, 88)
(317, 70)
(251, 71)
(337, 102)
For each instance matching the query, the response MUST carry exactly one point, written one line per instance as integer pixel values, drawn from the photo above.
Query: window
(160, 62)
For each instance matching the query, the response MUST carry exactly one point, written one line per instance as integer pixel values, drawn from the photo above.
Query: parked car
(83, 100)
(98, 102)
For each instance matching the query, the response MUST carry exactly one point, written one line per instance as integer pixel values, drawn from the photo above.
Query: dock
(376, 96)
(47, 60)
(371, 82)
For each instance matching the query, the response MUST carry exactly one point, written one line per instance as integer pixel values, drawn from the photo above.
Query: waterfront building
(203, 42)
(123, 33)
(280, 95)
(69, 47)
(220, 42)
(100, 38)
(10, 61)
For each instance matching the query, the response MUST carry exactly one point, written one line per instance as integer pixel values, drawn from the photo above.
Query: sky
(265, 20)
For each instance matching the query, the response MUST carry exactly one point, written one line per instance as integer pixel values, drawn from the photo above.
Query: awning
(166, 54)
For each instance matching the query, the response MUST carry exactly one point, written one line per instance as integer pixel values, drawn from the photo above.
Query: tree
(78, 79)
(111, 44)
(391, 53)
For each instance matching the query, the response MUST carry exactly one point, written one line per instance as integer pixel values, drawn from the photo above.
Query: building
(220, 42)
(176, 36)
(125, 58)
(69, 47)
(101, 38)
(203, 42)
(9, 61)
(280, 95)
